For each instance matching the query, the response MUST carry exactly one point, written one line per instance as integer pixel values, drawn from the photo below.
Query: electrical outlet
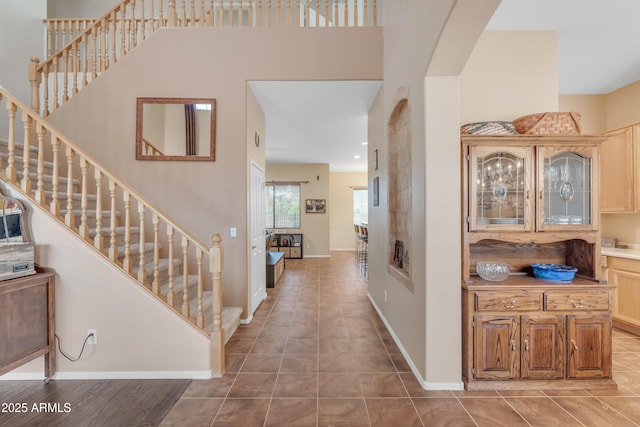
(94, 338)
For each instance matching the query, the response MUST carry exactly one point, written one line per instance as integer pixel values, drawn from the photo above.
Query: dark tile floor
(316, 354)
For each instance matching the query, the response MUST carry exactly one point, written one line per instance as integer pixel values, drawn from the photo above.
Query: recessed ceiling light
(356, 157)
(365, 143)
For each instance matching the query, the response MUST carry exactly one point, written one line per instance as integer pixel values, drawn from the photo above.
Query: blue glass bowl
(555, 272)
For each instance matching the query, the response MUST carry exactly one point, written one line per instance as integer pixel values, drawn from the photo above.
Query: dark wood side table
(27, 321)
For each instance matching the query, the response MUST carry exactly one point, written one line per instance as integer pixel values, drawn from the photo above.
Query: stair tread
(63, 195)
(178, 286)
(46, 177)
(134, 249)
(78, 212)
(163, 265)
(120, 230)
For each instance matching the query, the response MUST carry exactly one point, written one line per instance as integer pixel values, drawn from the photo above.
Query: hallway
(317, 354)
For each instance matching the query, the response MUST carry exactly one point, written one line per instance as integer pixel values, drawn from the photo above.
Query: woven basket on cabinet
(554, 123)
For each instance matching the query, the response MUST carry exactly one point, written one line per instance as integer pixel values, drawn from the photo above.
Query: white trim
(314, 256)
(247, 320)
(344, 250)
(111, 375)
(426, 385)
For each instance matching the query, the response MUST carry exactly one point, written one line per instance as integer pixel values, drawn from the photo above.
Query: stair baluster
(185, 276)
(11, 160)
(142, 272)
(55, 203)
(156, 254)
(98, 240)
(170, 292)
(113, 248)
(69, 218)
(26, 154)
(200, 316)
(40, 193)
(83, 230)
(126, 262)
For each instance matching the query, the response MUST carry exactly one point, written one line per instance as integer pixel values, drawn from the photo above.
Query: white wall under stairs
(138, 336)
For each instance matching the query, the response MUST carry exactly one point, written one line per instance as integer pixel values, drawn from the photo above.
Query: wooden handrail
(74, 180)
(148, 149)
(81, 49)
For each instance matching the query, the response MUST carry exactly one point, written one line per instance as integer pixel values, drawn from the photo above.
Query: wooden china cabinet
(533, 199)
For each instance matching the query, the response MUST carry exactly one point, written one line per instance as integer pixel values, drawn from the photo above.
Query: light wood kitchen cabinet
(533, 199)
(624, 273)
(620, 155)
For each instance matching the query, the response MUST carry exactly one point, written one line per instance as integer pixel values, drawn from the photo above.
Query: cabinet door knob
(513, 345)
(541, 195)
(526, 345)
(575, 346)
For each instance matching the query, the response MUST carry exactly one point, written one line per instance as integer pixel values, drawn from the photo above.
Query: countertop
(621, 253)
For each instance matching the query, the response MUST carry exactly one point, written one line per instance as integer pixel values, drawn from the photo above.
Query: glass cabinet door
(500, 182)
(566, 188)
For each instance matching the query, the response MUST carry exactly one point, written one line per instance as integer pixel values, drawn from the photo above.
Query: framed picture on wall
(316, 206)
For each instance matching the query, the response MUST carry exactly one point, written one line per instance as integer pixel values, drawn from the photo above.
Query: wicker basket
(567, 123)
(488, 128)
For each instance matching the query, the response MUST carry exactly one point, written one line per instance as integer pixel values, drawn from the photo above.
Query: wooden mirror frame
(140, 142)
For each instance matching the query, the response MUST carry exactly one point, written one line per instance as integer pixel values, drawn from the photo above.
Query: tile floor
(316, 354)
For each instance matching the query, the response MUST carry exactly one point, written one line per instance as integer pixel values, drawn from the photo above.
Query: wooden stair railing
(114, 220)
(81, 49)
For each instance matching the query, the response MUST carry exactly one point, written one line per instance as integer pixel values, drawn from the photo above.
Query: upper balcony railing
(80, 49)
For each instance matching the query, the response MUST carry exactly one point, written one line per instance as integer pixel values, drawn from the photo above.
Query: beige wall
(623, 106)
(313, 226)
(19, 21)
(412, 29)
(502, 81)
(342, 234)
(593, 109)
(209, 197)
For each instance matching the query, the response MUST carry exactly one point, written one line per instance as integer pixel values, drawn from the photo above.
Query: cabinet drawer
(624, 264)
(562, 300)
(508, 300)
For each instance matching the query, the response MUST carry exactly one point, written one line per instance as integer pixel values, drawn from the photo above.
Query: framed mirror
(176, 129)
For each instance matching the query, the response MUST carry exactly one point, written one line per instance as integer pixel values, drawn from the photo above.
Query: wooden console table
(27, 321)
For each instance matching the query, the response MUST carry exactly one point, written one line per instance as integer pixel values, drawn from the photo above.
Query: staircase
(56, 176)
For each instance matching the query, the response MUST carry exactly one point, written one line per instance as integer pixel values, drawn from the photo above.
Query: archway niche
(400, 194)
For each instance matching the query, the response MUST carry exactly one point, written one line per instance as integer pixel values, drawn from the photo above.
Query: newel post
(35, 78)
(216, 254)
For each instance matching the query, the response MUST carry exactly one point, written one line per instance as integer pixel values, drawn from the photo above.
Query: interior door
(257, 228)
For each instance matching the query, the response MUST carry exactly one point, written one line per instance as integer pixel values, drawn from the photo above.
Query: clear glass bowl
(492, 270)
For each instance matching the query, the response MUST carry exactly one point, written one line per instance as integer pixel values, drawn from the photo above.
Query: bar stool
(363, 249)
(357, 246)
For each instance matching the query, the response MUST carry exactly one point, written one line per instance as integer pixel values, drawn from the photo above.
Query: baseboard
(316, 256)
(343, 250)
(426, 385)
(115, 375)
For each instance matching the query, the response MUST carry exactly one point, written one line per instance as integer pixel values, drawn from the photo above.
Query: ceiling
(598, 41)
(326, 122)
(317, 121)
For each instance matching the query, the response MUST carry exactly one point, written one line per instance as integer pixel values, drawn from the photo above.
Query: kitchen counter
(621, 253)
